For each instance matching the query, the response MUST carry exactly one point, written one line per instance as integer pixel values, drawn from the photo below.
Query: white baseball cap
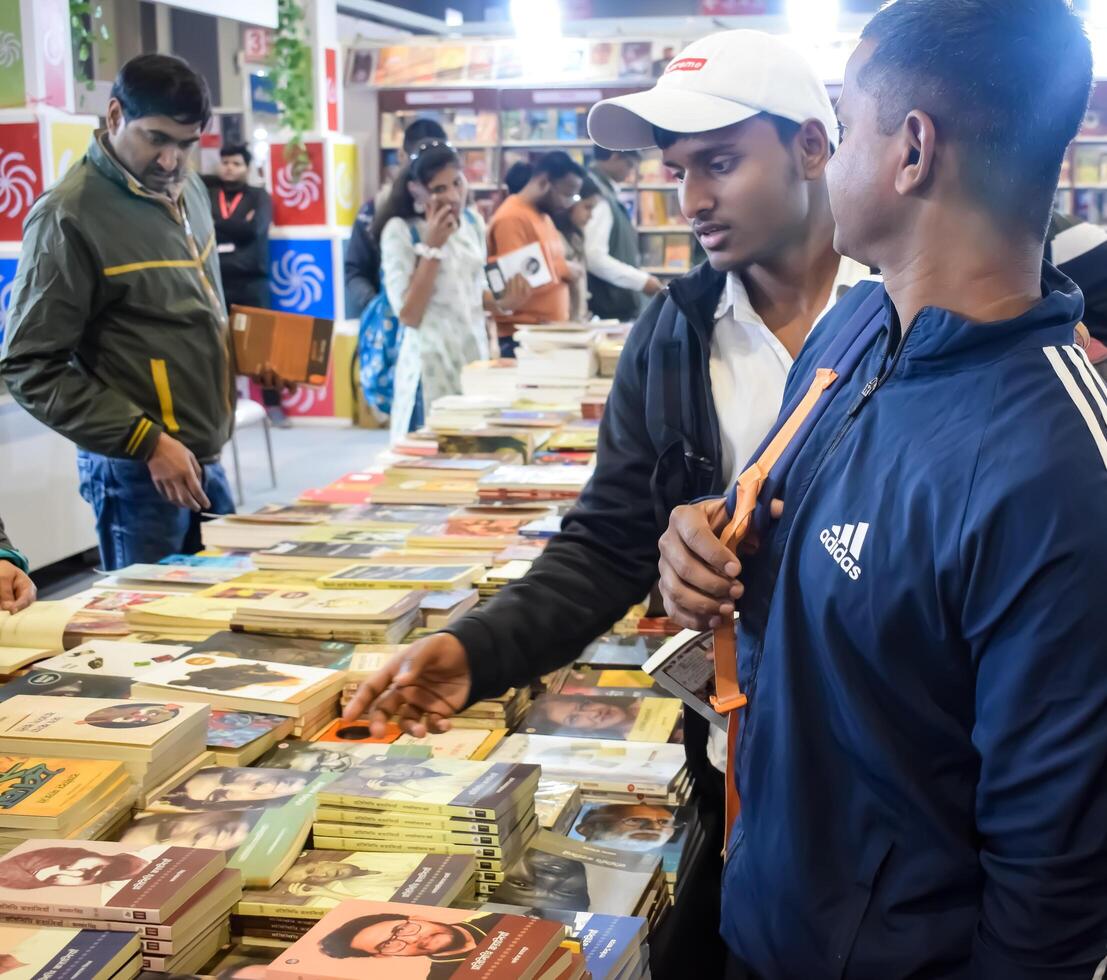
(718, 81)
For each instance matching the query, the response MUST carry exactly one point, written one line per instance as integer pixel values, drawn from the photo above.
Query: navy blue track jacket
(923, 764)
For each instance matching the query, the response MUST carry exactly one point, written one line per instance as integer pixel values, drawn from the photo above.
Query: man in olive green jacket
(117, 335)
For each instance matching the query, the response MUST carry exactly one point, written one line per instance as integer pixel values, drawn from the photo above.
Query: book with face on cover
(449, 786)
(599, 764)
(320, 880)
(43, 953)
(260, 841)
(250, 685)
(416, 942)
(113, 658)
(558, 873)
(644, 828)
(459, 743)
(45, 793)
(103, 880)
(237, 788)
(636, 719)
(152, 737)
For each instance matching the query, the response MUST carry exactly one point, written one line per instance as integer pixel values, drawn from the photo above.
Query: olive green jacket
(116, 328)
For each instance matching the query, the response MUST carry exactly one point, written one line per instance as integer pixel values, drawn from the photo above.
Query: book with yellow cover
(402, 576)
(630, 717)
(44, 792)
(320, 880)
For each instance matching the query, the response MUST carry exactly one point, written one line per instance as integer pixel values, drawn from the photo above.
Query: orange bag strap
(728, 696)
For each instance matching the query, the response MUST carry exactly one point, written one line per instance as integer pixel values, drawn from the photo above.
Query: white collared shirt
(749, 367)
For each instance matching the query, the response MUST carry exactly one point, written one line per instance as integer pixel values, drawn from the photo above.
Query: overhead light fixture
(813, 17)
(453, 18)
(536, 20)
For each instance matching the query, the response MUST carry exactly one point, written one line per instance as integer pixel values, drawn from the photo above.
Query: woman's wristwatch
(425, 251)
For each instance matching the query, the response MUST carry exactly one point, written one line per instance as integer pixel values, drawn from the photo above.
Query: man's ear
(917, 150)
(114, 116)
(813, 143)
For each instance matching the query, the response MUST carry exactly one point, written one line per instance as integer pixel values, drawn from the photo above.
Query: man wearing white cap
(747, 127)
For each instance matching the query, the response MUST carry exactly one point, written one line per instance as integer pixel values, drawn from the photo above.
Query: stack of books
(369, 576)
(44, 797)
(233, 684)
(457, 743)
(557, 803)
(123, 889)
(363, 616)
(511, 444)
(46, 953)
(613, 716)
(482, 810)
(417, 941)
(671, 833)
(248, 532)
(606, 770)
(526, 483)
(614, 947)
(152, 738)
(259, 818)
(573, 876)
(320, 880)
(505, 711)
(239, 738)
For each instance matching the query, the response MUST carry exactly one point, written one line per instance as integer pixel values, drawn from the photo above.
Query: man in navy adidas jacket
(923, 762)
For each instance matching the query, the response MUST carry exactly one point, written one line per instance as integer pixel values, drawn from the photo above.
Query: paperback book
(636, 719)
(42, 953)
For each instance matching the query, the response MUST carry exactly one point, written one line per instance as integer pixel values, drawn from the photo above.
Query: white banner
(260, 12)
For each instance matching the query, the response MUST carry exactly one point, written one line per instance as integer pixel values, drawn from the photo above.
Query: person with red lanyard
(242, 213)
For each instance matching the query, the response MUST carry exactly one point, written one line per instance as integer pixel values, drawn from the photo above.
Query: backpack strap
(767, 472)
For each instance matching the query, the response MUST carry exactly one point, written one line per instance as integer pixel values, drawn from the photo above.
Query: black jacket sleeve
(363, 264)
(603, 561)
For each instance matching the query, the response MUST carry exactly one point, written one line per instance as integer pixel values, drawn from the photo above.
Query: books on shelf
(457, 943)
(247, 685)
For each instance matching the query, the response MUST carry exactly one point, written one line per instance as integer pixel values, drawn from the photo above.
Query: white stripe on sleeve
(1079, 399)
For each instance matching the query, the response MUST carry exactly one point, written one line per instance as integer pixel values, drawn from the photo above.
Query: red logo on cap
(686, 64)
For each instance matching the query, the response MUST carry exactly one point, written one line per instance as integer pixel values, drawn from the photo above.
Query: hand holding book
(422, 686)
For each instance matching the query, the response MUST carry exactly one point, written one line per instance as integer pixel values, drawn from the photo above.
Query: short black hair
(339, 944)
(162, 85)
(558, 164)
(1007, 80)
(602, 153)
(786, 129)
(236, 150)
(420, 130)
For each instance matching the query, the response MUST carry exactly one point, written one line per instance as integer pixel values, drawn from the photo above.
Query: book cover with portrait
(320, 880)
(636, 719)
(415, 942)
(28, 953)
(103, 880)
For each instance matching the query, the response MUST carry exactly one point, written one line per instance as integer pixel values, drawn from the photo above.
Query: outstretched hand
(421, 687)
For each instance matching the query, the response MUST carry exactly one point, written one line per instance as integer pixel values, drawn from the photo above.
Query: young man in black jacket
(242, 214)
(697, 387)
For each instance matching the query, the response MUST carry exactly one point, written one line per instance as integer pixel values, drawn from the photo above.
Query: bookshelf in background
(1082, 189)
(665, 240)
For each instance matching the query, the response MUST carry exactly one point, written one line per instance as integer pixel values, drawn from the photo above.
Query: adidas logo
(844, 545)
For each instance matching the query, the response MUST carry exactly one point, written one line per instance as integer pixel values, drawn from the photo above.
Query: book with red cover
(414, 942)
(103, 880)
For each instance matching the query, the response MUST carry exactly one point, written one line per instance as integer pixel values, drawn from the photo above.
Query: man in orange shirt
(553, 185)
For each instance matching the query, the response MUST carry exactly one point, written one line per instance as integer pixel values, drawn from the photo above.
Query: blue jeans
(134, 523)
